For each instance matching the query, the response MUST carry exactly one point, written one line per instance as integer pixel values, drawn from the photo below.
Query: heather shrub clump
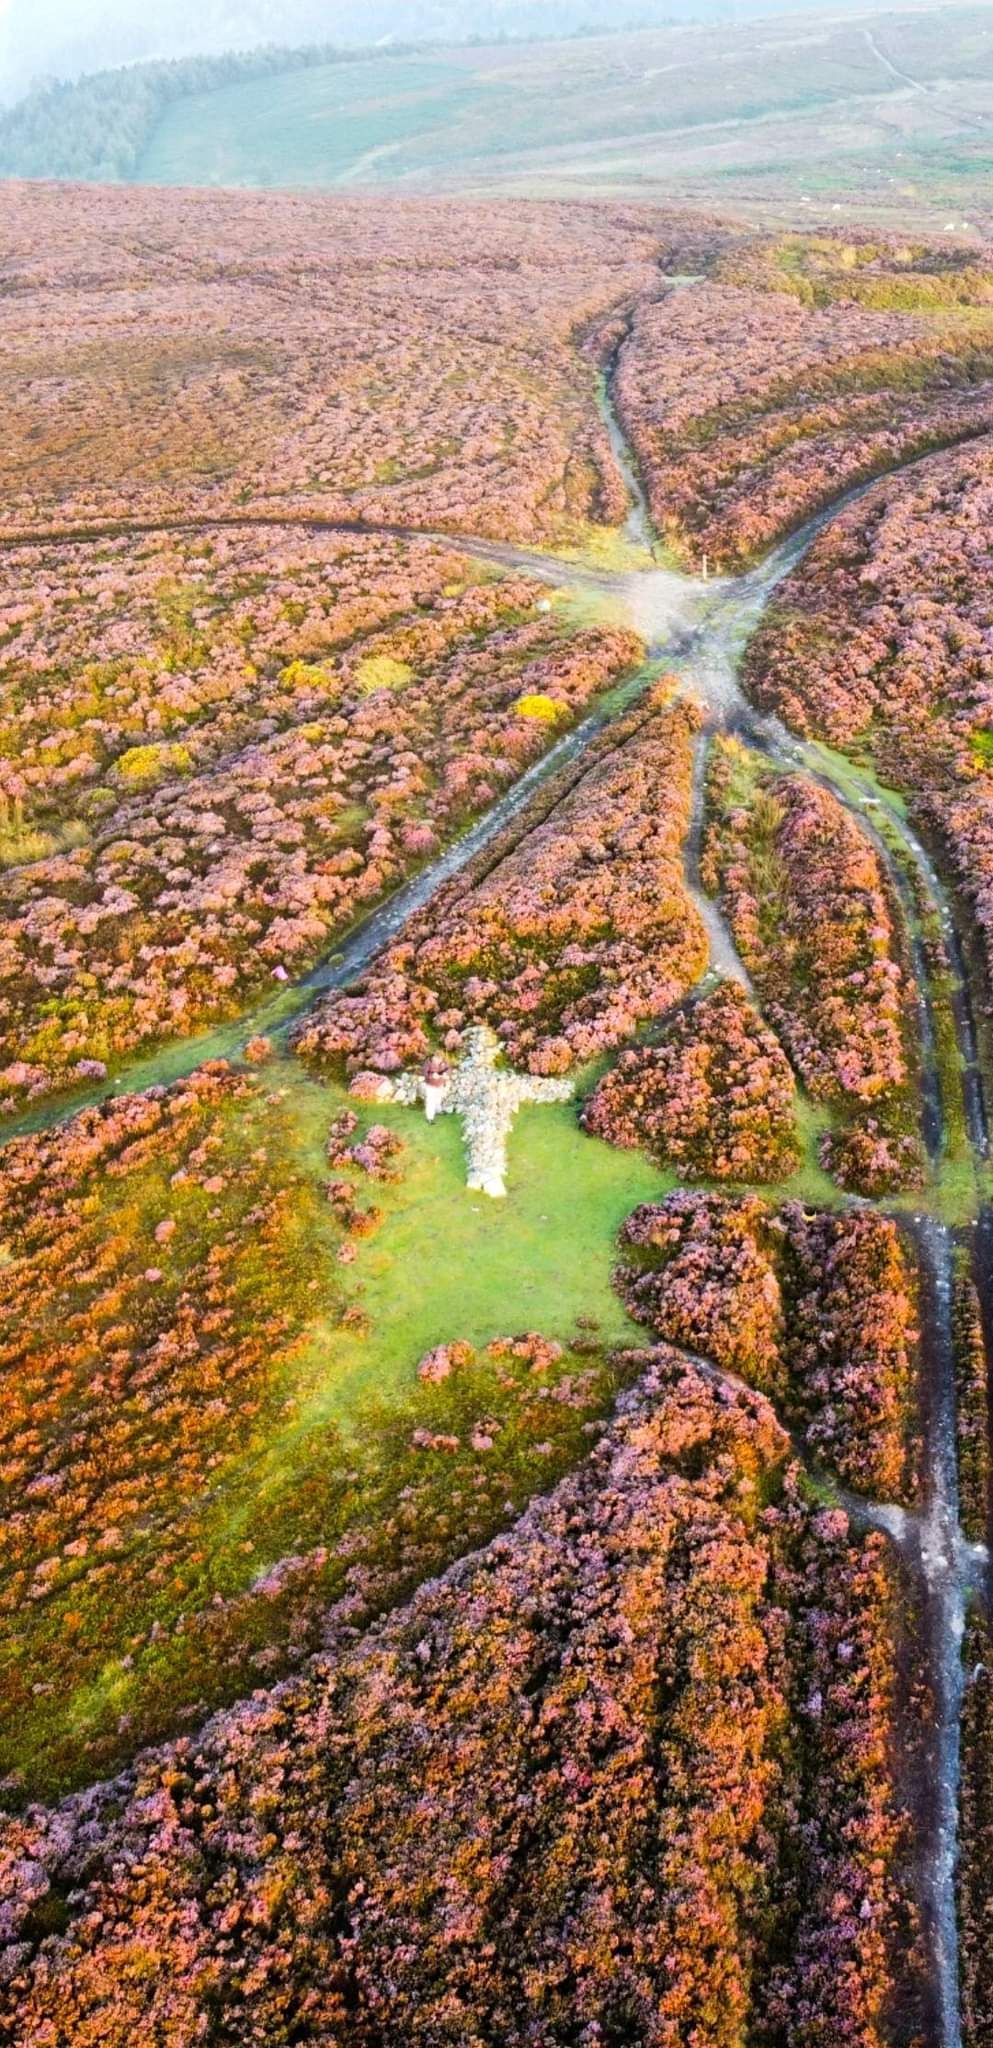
(816, 1310)
(783, 379)
(809, 904)
(536, 706)
(870, 1160)
(146, 767)
(715, 1100)
(558, 1776)
(580, 931)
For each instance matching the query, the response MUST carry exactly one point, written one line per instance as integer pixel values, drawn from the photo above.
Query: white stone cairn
(486, 1097)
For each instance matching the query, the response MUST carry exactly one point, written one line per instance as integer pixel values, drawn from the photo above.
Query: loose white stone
(486, 1098)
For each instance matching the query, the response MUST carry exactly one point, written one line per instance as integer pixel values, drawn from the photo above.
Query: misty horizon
(45, 41)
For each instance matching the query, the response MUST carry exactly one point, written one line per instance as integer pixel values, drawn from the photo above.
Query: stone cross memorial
(485, 1096)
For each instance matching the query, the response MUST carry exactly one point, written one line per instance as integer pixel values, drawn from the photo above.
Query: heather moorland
(495, 1235)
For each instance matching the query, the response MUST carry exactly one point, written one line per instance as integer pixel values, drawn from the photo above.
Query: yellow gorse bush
(537, 706)
(143, 767)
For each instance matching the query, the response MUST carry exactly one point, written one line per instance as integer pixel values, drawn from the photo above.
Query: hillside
(883, 114)
(886, 116)
(45, 38)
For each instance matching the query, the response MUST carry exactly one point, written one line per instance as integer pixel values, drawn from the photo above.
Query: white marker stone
(486, 1098)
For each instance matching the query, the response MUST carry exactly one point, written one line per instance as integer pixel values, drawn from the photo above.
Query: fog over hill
(64, 38)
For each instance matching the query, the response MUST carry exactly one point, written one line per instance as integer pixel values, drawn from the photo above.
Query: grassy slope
(448, 1263)
(762, 112)
(328, 1450)
(304, 128)
(479, 112)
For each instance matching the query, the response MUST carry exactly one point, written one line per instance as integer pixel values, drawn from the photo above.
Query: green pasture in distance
(385, 119)
(303, 127)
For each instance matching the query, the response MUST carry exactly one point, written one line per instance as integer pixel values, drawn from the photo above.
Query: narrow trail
(638, 522)
(943, 1548)
(724, 959)
(902, 77)
(276, 1015)
(701, 629)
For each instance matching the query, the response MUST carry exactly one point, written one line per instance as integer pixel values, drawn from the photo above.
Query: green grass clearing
(448, 1263)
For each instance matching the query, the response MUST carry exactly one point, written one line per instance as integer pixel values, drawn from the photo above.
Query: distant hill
(50, 40)
(98, 127)
(80, 122)
(885, 116)
(45, 39)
